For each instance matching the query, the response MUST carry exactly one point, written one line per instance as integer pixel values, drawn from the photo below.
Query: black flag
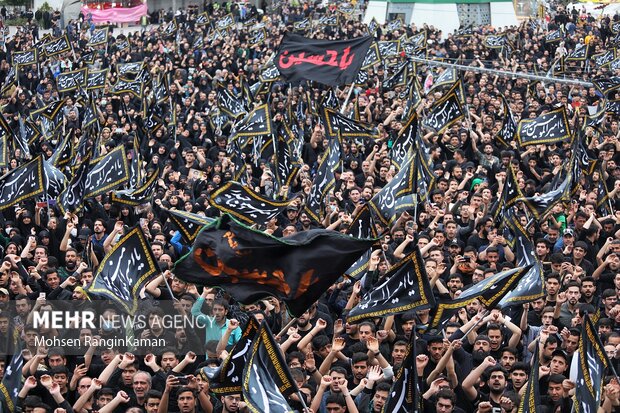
(509, 127)
(256, 123)
(140, 195)
(404, 393)
(396, 196)
(99, 36)
(267, 381)
(328, 62)
(125, 270)
(444, 112)
(489, 292)
(348, 128)
(530, 402)
(189, 224)
(57, 46)
(11, 383)
(68, 81)
(324, 180)
(106, 173)
(245, 204)
(21, 183)
(227, 378)
(55, 181)
(251, 265)
(552, 127)
(592, 364)
(406, 287)
(70, 200)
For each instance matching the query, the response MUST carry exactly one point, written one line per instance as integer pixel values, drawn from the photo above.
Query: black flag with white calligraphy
(404, 393)
(245, 204)
(593, 362)
(227, 378)
(267, 380)
(489, 292)
(107, 173)
(57, 46)
(71, 198)
(551, 127)
(324, 180)
(445, 112)
(125, 270)
(55, 180)
(405, 287)
(99, 36)
(397, 196)
(141, 195)
(189, 224)
(509, 126)
(96, 79)
(24, 182)
(68, 81)
(25, 58)
(328, 62)
(229, 104)
(337, 124)
(256, 123)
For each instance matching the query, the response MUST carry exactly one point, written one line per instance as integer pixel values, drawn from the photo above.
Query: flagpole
(346, 101)
(285, 328)
(484, 314)
(416, 396)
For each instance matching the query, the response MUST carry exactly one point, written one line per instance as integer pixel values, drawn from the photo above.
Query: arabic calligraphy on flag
(328, 62)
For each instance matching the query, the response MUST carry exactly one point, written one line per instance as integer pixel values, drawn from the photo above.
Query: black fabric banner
(227, 378)
(125, 270)
(141, 195)
(99, 36)
(267, 380)
(332, 63)
(406, 287)
(245, 204)
(547, 128)
(106, 173)
(251, 265)
(189, 224)
(68, 81)
(70, 200)
(21, 183)
(444, 112)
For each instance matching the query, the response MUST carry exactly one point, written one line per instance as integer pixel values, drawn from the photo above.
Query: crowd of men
(481, 360)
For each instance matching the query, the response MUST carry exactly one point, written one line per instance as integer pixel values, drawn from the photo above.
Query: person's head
(83, 384)
(169, 360)
(366, 330)
(60, 375)
(128, 372)
(105, 396)
(519, 374)
(497, 379)
(230, 403)
(445, 401)
(382, 391)
(573, 293)
(56, 357)
(186, 400)
(335, 403)
(141, 384)
(555, 389)
(399, 351)
(359, 365)
(552, 284)
(494, 332)
(339, 376)
(152, 401)
(559, 362)
(220, 310)
(435, 348)
(571, 343)
(508, 358)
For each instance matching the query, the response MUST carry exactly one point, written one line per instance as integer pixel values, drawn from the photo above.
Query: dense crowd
(480, 362)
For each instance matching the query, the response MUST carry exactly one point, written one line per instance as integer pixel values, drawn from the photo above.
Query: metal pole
(501, 72)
